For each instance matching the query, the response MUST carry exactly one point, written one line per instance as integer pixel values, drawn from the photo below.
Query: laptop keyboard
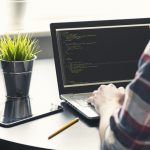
(80, 103)
(83, 103)
(81, 99)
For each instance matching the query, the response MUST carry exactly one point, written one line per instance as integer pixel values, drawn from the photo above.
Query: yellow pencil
(64, 127)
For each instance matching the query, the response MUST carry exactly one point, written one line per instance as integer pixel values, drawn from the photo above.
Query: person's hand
(107, 98)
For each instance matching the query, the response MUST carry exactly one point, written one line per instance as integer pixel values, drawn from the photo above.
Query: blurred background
(34, 16)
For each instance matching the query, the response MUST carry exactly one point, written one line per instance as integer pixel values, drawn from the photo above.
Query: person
(125, 113)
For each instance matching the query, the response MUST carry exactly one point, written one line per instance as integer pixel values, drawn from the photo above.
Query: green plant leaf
(20, 47)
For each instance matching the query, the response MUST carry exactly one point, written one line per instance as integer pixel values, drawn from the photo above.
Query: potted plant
(17, 55)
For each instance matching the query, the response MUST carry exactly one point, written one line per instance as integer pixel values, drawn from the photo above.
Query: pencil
(64, 127)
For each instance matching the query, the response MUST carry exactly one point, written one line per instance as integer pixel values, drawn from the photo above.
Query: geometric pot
(16, 109)
(17, 77)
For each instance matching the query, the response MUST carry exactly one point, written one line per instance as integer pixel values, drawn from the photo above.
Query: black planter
(16, 109)
(17, 76)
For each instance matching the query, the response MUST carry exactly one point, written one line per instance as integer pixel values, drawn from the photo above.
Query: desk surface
(43, 91)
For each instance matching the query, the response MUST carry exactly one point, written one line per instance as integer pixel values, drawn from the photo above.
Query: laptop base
(80, 104)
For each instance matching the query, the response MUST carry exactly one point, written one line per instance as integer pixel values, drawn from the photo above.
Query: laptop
(90, 53)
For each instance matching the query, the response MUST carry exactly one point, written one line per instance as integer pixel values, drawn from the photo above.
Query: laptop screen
(99, 55)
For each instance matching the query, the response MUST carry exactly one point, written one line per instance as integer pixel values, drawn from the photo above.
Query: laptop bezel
(63, 25)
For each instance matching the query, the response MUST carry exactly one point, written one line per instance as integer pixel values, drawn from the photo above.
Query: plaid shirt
(130, 127)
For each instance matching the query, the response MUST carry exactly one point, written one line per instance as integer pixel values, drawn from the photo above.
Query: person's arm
(106, 113)
(129, 128)
(106, 100)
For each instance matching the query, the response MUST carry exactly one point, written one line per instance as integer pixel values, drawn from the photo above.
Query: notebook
(88, 54)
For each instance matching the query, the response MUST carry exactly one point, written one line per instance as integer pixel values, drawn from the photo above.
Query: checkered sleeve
(130, 127)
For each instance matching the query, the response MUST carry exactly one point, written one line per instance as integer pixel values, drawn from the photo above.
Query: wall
(46, 47)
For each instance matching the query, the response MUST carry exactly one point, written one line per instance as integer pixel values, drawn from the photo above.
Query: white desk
(43, 90)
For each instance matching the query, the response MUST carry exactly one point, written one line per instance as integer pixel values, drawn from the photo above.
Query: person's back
(128, 127)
